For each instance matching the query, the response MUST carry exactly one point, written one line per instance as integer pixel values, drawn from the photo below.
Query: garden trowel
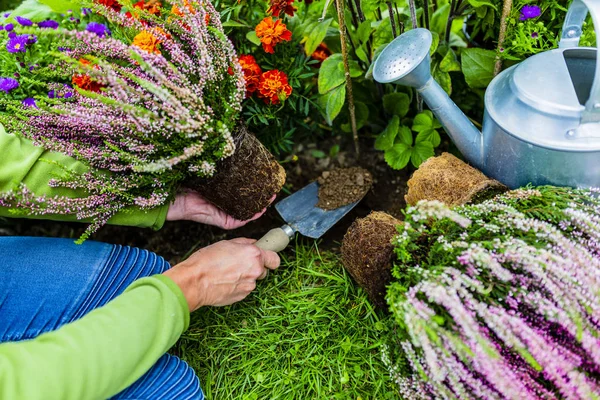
(301, 214)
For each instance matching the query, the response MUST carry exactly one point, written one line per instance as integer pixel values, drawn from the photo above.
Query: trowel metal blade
(300, 211)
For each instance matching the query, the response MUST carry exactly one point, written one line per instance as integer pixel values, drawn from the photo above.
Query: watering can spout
(406, 61)
(461, 130)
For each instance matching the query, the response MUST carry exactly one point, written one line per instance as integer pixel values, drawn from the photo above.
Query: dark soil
(246, 182)
(176, 240)
(343, 186)
(367, 253)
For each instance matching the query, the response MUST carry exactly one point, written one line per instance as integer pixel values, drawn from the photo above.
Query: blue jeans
(46, 283)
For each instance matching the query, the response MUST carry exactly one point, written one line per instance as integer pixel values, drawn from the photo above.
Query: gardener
(93, 321)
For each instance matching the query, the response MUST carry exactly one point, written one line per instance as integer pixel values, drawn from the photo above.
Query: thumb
(270, 259)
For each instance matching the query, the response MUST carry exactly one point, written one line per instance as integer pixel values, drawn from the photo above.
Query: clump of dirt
(343, 186)
(246, 182)
(367, 253)
(450, 180)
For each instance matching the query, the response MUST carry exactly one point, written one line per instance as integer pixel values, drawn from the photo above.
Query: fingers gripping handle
(276, 239)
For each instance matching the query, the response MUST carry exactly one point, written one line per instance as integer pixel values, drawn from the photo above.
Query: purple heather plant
(500, 300)
(530, 12)
(158, 119)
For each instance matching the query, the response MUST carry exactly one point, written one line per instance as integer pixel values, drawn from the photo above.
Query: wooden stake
(342, 25)
(502, 36)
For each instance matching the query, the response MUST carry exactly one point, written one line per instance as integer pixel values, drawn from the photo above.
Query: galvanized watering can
(542, 116)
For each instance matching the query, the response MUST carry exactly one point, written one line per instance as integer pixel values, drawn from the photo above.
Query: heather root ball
(451, 181)
(367, 253)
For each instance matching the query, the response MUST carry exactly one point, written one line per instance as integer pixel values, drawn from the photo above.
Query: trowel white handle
(276, 239)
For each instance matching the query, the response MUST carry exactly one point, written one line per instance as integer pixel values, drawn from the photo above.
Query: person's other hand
(191, 206)
(223, 273)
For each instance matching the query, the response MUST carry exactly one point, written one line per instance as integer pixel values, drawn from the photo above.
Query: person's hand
(190, 206)
(223, 273)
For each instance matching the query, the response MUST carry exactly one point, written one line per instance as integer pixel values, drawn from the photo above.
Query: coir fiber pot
(244, 183)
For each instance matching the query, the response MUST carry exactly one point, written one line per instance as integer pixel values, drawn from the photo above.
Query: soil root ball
(244, 183)
(452, 181)
(367, 253)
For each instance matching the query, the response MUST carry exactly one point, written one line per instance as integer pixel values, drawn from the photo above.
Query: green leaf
(421, 152)
(355, 69)
(386, 139)
(450, 62)
(435, 43)
(364, 31)
(331, 73)
(443, 78)
(439, 19)
(251, 36)
(481, 3)
(405, 135)
(423, 121)
(235, 24)
(429, 135)
(478, 67)
(396, 103)
(398, 156)
(333, 102)
(58, 6)
(361, 53)
(315, 37)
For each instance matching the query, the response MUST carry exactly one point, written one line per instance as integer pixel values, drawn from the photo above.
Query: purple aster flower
(32, 39)
(17, 44)
(529, 12)
(12, 35)
(24, 21)
(64, 49)
(99, 29)
(6, 15)
(8, 84)
(1, 27)
(48, 24)
(51, 94)
(535, 35)
(9, 27)
(29, 102)
(86, 11)
(17, 75)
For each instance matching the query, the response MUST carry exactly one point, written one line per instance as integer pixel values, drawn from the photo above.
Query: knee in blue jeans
(169, 379)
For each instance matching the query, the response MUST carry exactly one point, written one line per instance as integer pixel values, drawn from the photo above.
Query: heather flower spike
(150, 113)
(499, 300)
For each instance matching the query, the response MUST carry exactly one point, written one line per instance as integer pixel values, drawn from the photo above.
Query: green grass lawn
(307, 332)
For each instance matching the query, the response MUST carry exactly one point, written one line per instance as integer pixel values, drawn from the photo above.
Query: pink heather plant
(144, 117)
(499, 300)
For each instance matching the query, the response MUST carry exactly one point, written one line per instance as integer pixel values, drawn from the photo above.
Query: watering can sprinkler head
(406, 60)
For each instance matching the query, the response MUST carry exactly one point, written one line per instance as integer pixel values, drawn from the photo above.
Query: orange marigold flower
(85, 82)
(252, 73)
(147, 42)
(175, 10)
(152, 6)
(271, 32)
(112, 4)
(321, 53)
(274, 87)
(280, 6)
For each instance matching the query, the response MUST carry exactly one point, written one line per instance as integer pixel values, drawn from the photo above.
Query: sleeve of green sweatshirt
(101, 354)
(21, 162)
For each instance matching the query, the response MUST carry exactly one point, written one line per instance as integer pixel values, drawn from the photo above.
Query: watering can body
(542, 117)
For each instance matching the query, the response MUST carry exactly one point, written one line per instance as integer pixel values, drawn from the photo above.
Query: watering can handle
(571, 34)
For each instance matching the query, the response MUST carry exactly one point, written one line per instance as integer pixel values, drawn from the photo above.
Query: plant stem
(392, 18)
(342, 26)
(426, 12)
(449, 22)
(502, 36)
(413, 13)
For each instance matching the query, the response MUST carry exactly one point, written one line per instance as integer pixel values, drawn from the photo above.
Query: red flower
(280, 6)
(85, 82)
(113, 4)
(271, 32)
(321, 53)
(274, 87)
(252, 73)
